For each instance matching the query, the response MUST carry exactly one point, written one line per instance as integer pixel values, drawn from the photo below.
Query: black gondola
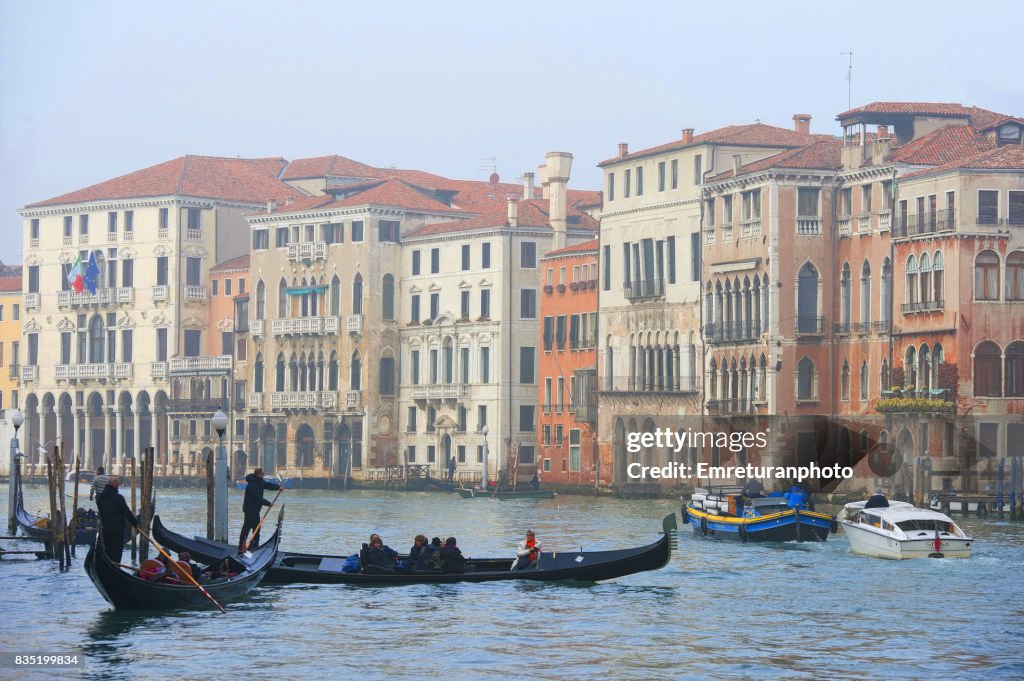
(126, 591)
(38, 527)
(201, 548)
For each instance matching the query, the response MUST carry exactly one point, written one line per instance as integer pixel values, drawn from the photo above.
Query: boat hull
(30, 527)
(506, 496)
(788, 526)
(880, 545)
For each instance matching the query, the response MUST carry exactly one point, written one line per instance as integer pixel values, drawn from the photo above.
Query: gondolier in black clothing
(114, 513)
(252, 505)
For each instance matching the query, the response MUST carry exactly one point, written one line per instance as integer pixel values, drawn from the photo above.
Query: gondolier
(114, 513)
(99, 483)
(252, 505)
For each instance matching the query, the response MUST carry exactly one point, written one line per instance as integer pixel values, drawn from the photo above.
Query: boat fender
(796, 515)
(685, 515)
(743, 533)
(833, 526)
(704, 526)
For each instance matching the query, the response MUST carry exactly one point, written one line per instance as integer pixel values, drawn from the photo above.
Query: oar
(189, 574)
(245, 546)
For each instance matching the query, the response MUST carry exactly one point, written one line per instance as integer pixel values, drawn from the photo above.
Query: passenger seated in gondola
(421, 555)
(376, 557)
(753, 489)
(452, 559)
(877, 500)
(528, 553)
(185, 560)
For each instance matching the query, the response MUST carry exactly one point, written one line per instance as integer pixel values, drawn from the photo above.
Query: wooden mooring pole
(73, 525)
(135, 512)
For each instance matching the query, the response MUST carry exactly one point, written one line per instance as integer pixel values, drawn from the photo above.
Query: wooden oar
(188, 575)
(245, 546)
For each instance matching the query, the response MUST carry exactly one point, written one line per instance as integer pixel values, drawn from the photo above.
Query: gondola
(38, 527)
(470, 493)
(124, 590)
(201, 548)
(584, 566)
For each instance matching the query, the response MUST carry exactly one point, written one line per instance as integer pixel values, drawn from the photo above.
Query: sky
(91, 91)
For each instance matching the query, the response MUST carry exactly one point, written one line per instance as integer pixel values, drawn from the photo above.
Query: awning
(304, 290)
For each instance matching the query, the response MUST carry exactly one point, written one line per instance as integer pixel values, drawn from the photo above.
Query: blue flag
(92, 273)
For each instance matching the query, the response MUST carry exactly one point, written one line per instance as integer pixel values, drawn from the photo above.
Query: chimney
(527, 185)
(687, 135)
(802, 123)
(542, 172)
(559, 164)
(271, 205)
(737, 163)
(623, 149)
(882, 133)
(513, 211)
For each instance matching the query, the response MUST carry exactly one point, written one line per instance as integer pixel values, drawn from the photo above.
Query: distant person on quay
(451, 469)
(252, 505)
(114, 513)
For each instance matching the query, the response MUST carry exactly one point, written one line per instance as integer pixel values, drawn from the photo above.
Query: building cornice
(648, 207)
(348, 211)
(130, 203)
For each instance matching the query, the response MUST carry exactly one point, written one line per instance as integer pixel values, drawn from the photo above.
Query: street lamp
(17, 418)
(220, 480)
(485, 430)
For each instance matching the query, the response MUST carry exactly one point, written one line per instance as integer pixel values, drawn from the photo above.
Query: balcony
(644, 289)
(31, 301)
(809, 326)
(923, 306)
(29, 372)
(353, 399)
(861, 328)
(256, 327)
(102, 297)
(68, 241)
(440, 391)
(738, 405)
(808, 225)
(303, 400)
(215, 365)
(709, 236)
(584, 413)
(841, 328)
(864, 223)
(843, 225)
(925, 224)
(158, 371)
(203, 405)
(733, 332)
(884, 220)
(305, 252)
(649, 384)
(354, 323)
(195, 293)
(883, 326)
(193, 235)
(161, 293)
(750, 227)
(304, 326)
(92, 372)
(255, 401)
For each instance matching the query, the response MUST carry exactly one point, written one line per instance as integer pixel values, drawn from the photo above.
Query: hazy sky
(92, 90)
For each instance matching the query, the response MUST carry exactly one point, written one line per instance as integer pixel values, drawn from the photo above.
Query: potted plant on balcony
(592, 283)
(574, 286)
(548, 288)
(561, 288)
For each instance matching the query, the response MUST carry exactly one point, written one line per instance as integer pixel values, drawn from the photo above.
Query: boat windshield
(927, 524)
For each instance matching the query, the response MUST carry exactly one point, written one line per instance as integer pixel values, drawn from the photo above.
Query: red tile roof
(322, 166)
(582, 247)
(751, 135)
(824, 154)
(10, 284)
(978, 118)
(1009, 157)
(944, 145)
(532, 214)
(239, 263)
(391, 192)
(227, 179)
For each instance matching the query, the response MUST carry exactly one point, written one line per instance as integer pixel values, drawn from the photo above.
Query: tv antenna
(849, 78)
(489, 163)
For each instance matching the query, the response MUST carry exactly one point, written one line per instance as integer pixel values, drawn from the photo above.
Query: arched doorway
(446, 449)
(238, 464)
(268, 436)
(304, 442)
(342, 445)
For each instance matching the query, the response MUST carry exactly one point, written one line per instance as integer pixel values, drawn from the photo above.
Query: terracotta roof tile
(824, 154)
(323, 166)
(751, 135)
(977, 117)
(239, 263)
(228, 179)
(532, 214)
(944, 145)
(10, 284)
(582, 247)
(1009, 157)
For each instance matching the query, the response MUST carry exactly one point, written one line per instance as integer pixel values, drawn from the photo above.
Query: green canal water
(718, 610)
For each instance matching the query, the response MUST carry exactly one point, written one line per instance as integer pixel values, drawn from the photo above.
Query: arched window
(937, 272)
(807, 299)
(304, 441)
(986, 276)
(912, 286)
(448, 359)
(885, 303)
(261, 300)
(844, 389)
(1015, 276)
(387, 298)
(282, 299)
(335, 296)
(987, 370)
(924, 371)
(387, 374)
(279, 373)
(910, 367)
(713, 380)
(805, 379)
(332, 372)
(885, 375)
(864, 380)
(357, 294)
(709, 308)
(765, 306)
(845, 297)
(926, 277)
(1015, 369)
(762, 389)
(865, 293)
(257, 379)
(355, 380)
(938, 357)
(96, 340)
(293, 373)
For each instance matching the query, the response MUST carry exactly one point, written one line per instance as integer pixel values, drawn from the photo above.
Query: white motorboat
(896, 529)
(85, 479)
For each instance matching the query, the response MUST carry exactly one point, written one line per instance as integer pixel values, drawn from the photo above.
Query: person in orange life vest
(528, 553)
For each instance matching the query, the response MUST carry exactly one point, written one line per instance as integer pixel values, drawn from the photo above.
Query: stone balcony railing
(93, 372)
(884, 220)
(864, 223)
(193, 235)
(256, 327)
(161, 293)
(255, 401)
(315, 250)
(808, 225)
(29, 372)
(750, 227)
(303, 400)
(843, 225)
(195, 293)
(206, 365)
(158, 371)
(440, 391)
(304, 326)
(102, 297)
(353, 399)
(354, 323)
(31, 301)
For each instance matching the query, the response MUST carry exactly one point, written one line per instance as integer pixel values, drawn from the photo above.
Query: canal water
(718, 610)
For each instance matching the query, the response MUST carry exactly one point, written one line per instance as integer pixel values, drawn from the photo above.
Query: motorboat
(726, 513)
(896, 529)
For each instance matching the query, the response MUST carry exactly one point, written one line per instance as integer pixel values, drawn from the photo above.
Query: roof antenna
(489, 163)
(849, 78)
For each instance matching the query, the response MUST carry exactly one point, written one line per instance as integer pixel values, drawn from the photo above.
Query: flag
(92, 273)
(76, 274)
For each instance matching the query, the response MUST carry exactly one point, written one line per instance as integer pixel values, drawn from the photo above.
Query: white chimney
(737, 163)
(513, 211)
(527, 185)
(559, 165)
(271, 205)
(542, 173)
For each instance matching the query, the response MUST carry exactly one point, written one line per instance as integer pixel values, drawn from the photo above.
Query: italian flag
(76, 275)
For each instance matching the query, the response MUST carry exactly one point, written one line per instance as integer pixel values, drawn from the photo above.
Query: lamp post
(484, 430)
(220, 480)
(17, 418)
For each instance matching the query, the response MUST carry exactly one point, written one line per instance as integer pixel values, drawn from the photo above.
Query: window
(214, 287)
(1015, 276)
(527, 454)
(161, 345)
(414, 367)
(751, 205)
(661, 176)
(433, 365)
(485, 303)
(465, 257)
(670, 246)
(33, 278)
(546, 436)
(864, 380)
(192, 271)
(527, 360)
(83, 225)
(464, 304)
(65, 349)
(281, 237)
(559, 435)
(260, 240)
(435, 305)
(528, 303)
(435, 260)
(988, 439)
(865, 292)
(355, 381)
(807, 202)
(357, 294)
(695, 256)
(865, 199)
(560, 332)
(485, 255)
(415, 263)
(415, 309)
(461, 418)
(987, 370)
(526, 413)
(481, 417)
(528, 255)
(68, 227)
(627, 181)
(844, 382)
(112, 223)
(611, 186)
(988, 207)
(986, 276)
(639, 181)
(164, 218)
(193, 217)
(805, 379)
(357, 231)
(1016, 208)
(126, 345)
(675, 173)
(574, 449)
(387, 231)
(226, 342)
(227, 287)
(387, 298)
(485, 365)
(697, 163)
(387, 375)
(1015, 369)
(606, 260)
(807, 299)
(193, 342)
